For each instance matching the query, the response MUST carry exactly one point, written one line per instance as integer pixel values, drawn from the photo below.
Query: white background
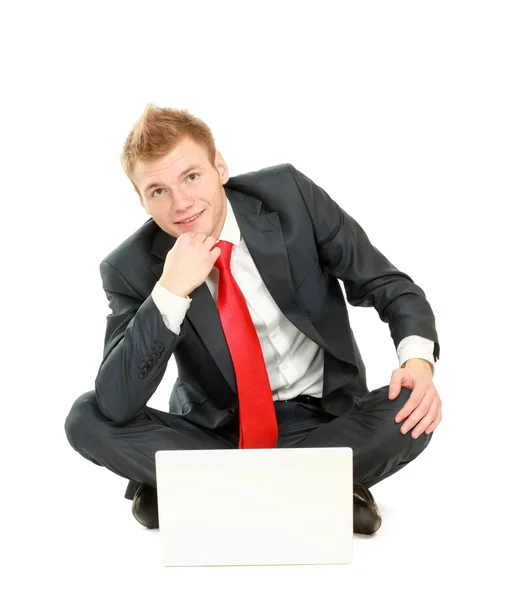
(402, 112)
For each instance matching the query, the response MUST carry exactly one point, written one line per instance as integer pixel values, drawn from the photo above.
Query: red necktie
(258, 423)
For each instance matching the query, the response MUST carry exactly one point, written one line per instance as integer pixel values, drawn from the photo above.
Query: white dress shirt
(294, 363)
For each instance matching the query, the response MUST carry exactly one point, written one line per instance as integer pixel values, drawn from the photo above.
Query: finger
(427, 420)
(215, 253)
(435, 422)
(209, 241)
(398, 377)
(412, 403)
(419, 413)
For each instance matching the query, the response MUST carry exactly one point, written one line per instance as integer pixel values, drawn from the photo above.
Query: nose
(181, 202)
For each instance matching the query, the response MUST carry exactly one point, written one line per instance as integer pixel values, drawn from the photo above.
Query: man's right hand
(188, 263)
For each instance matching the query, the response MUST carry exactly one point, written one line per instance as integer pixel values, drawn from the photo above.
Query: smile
(191, 220)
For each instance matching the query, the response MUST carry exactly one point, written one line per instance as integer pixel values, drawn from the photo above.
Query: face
(183, 185)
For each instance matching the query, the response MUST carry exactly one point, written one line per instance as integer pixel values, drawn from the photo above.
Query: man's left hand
(423, 408)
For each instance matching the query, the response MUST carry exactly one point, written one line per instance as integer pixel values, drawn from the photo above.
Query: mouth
(191, 220)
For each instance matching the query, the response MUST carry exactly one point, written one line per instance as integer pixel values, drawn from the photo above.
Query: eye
(157, 195)
(195, 176)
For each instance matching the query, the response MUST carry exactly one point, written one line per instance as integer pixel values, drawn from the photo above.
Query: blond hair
(158, 131)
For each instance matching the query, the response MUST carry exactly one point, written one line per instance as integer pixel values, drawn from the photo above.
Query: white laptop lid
(286, 506)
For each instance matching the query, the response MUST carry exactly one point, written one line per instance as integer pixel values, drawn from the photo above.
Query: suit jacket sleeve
(137, 348)
(369, 278)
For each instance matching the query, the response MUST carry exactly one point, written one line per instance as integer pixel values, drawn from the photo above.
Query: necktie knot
(224, 259)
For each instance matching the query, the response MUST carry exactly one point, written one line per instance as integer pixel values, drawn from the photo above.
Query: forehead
(185, 154)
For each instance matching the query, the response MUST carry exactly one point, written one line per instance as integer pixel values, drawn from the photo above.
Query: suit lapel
(202, 314)
(264, 238)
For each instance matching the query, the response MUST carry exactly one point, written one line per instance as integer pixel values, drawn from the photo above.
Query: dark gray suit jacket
(302, 243)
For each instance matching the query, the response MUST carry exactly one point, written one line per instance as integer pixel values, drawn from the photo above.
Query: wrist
(420, 364)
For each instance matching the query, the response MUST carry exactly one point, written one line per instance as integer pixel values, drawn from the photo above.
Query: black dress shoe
(367, 517)
(145, 506)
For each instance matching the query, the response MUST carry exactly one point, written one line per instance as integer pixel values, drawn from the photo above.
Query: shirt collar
(230, 232)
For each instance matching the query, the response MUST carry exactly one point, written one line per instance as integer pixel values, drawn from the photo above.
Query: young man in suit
(239, 279)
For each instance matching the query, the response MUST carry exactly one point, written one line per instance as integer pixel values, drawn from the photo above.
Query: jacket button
(156, 354)
(160, 347)
(143, 374)
(151, 361)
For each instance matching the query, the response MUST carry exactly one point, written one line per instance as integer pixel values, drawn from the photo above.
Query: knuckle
(422, 411)
(431, 415)
(411, 421)
(415, 401)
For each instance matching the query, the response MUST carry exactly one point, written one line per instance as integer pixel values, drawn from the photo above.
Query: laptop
(270, 506)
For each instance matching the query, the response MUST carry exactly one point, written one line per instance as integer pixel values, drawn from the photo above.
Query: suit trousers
(128, 449)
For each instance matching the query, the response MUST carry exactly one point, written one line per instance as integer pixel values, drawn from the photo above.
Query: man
(239, 280)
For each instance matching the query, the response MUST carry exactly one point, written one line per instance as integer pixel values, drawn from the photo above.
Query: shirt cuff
(415, 346)
(173, 308)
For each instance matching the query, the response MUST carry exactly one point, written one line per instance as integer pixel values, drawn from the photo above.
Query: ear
(222, 167)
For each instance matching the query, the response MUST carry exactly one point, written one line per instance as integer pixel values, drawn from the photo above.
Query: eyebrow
(182, 174)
